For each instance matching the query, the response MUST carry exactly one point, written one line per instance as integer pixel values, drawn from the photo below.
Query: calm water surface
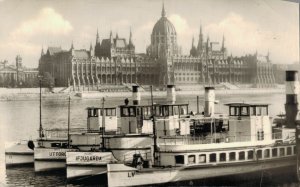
(19, 120)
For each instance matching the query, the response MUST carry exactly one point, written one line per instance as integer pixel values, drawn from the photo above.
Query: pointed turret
(200, 42)
(223, 44)
(193, 42)
(42, 52)
(163, 12)
(97, 37)
(91, 50)
(130, 39)
(72, 46)
(207, 43)
(193, 51)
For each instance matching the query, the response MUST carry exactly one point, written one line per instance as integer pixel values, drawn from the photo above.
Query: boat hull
(19, 154)
(47, 159)
(120, 175)
(87, 164)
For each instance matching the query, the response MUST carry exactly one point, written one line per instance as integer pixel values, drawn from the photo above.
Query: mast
(69, 111)
(154, 126)
(41, 133)
(103, 124)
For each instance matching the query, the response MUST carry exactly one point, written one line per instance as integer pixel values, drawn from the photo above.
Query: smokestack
(291, 105)
(136, 95)
(171, 94)
(209, 99)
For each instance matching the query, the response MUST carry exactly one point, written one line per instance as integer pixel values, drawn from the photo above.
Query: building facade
(17, 75)
(113, 61)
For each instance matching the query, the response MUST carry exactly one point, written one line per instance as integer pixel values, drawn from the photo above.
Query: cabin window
(55, 145)
(242, 155)
(222, 157)
(232, 111)
(264, 111)
(267, 153)
(171, 110)
(289, 151)
(213, 157)
(183, 110)
(274, 152)
(252, 111)
(179, 159)
(259, 153)
(125, 112)
(281, 151)
(250, 155)
(132, 112)
(258, 111)
(64, 145)
(175, 110)
(202, 158)
(158, 111)
(232, 156)
(237, 111)
(110, 112)
(165, 111)
(244, 111)
(191, 159)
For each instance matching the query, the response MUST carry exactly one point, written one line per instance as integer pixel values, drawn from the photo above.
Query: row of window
(236, 155)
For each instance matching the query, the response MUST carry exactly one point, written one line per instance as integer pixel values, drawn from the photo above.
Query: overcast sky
(248, 26)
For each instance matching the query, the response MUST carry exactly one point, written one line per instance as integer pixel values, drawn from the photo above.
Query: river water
(19, 120)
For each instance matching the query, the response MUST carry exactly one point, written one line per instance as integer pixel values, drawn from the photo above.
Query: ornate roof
(163, 25)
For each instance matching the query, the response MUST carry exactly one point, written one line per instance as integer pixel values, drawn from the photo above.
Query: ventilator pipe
(171, 94)
(209, 99)
(136, 95)
(291, 105)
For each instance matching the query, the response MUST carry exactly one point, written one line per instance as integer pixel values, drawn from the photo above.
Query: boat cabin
(249, 122)
(99, 119)
(136, 119)
(171, 120)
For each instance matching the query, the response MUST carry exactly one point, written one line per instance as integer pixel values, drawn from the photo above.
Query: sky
(248, 26)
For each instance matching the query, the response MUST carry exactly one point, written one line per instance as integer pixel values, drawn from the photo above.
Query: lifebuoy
(30, 144)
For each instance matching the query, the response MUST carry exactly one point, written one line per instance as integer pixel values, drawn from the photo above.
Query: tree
(48, 81)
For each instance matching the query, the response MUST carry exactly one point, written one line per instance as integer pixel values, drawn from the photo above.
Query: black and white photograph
(149, 93)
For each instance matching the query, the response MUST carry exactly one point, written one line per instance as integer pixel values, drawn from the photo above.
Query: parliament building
(113, 61)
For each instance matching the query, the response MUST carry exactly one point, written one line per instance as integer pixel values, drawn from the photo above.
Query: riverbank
(13, 95)
(248, 91)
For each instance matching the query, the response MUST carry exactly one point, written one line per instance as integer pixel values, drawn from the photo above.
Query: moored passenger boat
(249, 144)
(49, 158)
(135, 136)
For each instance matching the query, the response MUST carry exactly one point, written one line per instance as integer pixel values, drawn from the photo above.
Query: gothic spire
(42, 53)
(193, 42)
(163, 12)
(97, 37)
(200, 42)
(223, 43)
(72, 46)
(130, 37)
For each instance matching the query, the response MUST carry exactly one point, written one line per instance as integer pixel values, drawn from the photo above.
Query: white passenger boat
(135, 133)
(250, 144)
(49, 158)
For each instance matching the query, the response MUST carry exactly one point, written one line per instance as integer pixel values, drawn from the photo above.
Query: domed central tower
(163, 38)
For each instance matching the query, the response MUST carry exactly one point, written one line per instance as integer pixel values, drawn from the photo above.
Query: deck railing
(219, 138)
(61, 133)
